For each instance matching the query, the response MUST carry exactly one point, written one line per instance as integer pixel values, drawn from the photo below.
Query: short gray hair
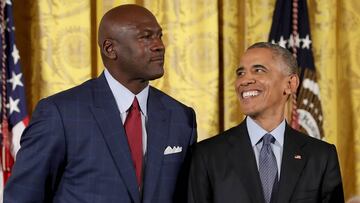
(285, 55)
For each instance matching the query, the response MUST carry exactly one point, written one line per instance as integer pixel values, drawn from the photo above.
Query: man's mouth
(248, 94)
(157, 59)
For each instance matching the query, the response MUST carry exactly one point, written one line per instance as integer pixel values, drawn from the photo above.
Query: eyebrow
(240, 68)
(253, 66)
(258, 66)
(149, 29)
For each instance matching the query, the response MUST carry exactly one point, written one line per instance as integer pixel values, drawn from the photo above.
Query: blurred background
(204, 40)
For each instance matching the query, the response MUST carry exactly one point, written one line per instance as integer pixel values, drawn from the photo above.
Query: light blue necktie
(267, 166)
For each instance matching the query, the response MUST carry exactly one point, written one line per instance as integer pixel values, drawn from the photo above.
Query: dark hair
(281, 52)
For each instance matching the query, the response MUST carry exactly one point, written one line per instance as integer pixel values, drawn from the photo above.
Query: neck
(136, 87)
(268, 123)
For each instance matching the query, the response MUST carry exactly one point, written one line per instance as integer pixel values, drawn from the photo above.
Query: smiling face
(263, 84)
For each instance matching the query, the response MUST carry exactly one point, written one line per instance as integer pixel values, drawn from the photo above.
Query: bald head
(130, 40)
(120, 17)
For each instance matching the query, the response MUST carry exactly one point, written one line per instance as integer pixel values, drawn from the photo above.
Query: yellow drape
(204, 40)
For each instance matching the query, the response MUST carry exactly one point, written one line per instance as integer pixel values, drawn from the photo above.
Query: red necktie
(133, 131)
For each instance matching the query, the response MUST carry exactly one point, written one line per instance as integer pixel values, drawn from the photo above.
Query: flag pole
(6, 158)
(295, 38)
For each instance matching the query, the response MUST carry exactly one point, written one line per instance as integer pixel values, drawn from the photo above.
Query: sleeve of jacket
(180, 195)
(332, 189)
(199, 190)
(40, 160)
(194, 135)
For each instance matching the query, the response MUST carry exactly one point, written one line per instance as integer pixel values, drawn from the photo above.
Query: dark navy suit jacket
(75, 150)
(224, 169)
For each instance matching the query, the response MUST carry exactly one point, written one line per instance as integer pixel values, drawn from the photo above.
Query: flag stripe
(14, 117)
(290, 29)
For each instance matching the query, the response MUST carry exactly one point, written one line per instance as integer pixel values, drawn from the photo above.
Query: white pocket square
(172, 150)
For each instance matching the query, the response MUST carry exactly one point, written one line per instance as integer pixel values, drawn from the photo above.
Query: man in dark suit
(263, 159)
(78, 146)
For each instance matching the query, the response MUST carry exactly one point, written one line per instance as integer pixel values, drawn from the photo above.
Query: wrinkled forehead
(257, 55)
(125, 18)
(141, 23)
(129, 14)
(139, 20)
(262, 56)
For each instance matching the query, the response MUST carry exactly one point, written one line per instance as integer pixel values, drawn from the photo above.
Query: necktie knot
(267, 139)
(135, 105)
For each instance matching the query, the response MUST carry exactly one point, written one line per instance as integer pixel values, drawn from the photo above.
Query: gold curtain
(204, 40)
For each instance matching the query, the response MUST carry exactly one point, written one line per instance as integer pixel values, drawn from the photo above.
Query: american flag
(14, 117)
(290, 29)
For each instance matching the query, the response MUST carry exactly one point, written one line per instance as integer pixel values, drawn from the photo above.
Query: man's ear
(292, 85)
(108, 49)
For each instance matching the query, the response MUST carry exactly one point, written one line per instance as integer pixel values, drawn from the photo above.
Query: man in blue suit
(77, 149)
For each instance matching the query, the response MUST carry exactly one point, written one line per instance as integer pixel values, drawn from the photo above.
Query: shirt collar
(124, 97)
(256, 132)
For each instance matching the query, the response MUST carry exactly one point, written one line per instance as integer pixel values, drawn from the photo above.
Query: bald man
(113, 138)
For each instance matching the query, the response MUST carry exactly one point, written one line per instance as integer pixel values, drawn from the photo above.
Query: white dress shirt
(124, 99)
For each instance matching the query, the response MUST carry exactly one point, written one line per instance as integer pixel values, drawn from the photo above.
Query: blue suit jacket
(75, 150)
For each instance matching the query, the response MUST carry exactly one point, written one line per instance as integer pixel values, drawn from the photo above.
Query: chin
(249, 112)
(156, 76)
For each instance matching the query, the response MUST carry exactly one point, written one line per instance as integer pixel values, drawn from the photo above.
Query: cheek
(237, 84)
(278, 89)
(144, 48)
(137, 51)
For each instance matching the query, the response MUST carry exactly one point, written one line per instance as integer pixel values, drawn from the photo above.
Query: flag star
(15, 80)
(297, 41)
(306, 42)
(15, 54)
(8, 28)
(311, 105)
(13, 105)
(305, 102)
(291, 41)
(316, 110)
(282, 42)
(320, 118)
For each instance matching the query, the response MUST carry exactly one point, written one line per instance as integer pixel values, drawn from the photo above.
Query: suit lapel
(107, 115)
(293, 162)
(242, 158)
(157, 135)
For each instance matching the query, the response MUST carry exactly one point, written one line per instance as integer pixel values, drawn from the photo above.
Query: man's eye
(145, 35)
(240, 73)
(259, 70)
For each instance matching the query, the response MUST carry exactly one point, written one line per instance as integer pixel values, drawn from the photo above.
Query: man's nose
(158, 45)
(247, 79)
